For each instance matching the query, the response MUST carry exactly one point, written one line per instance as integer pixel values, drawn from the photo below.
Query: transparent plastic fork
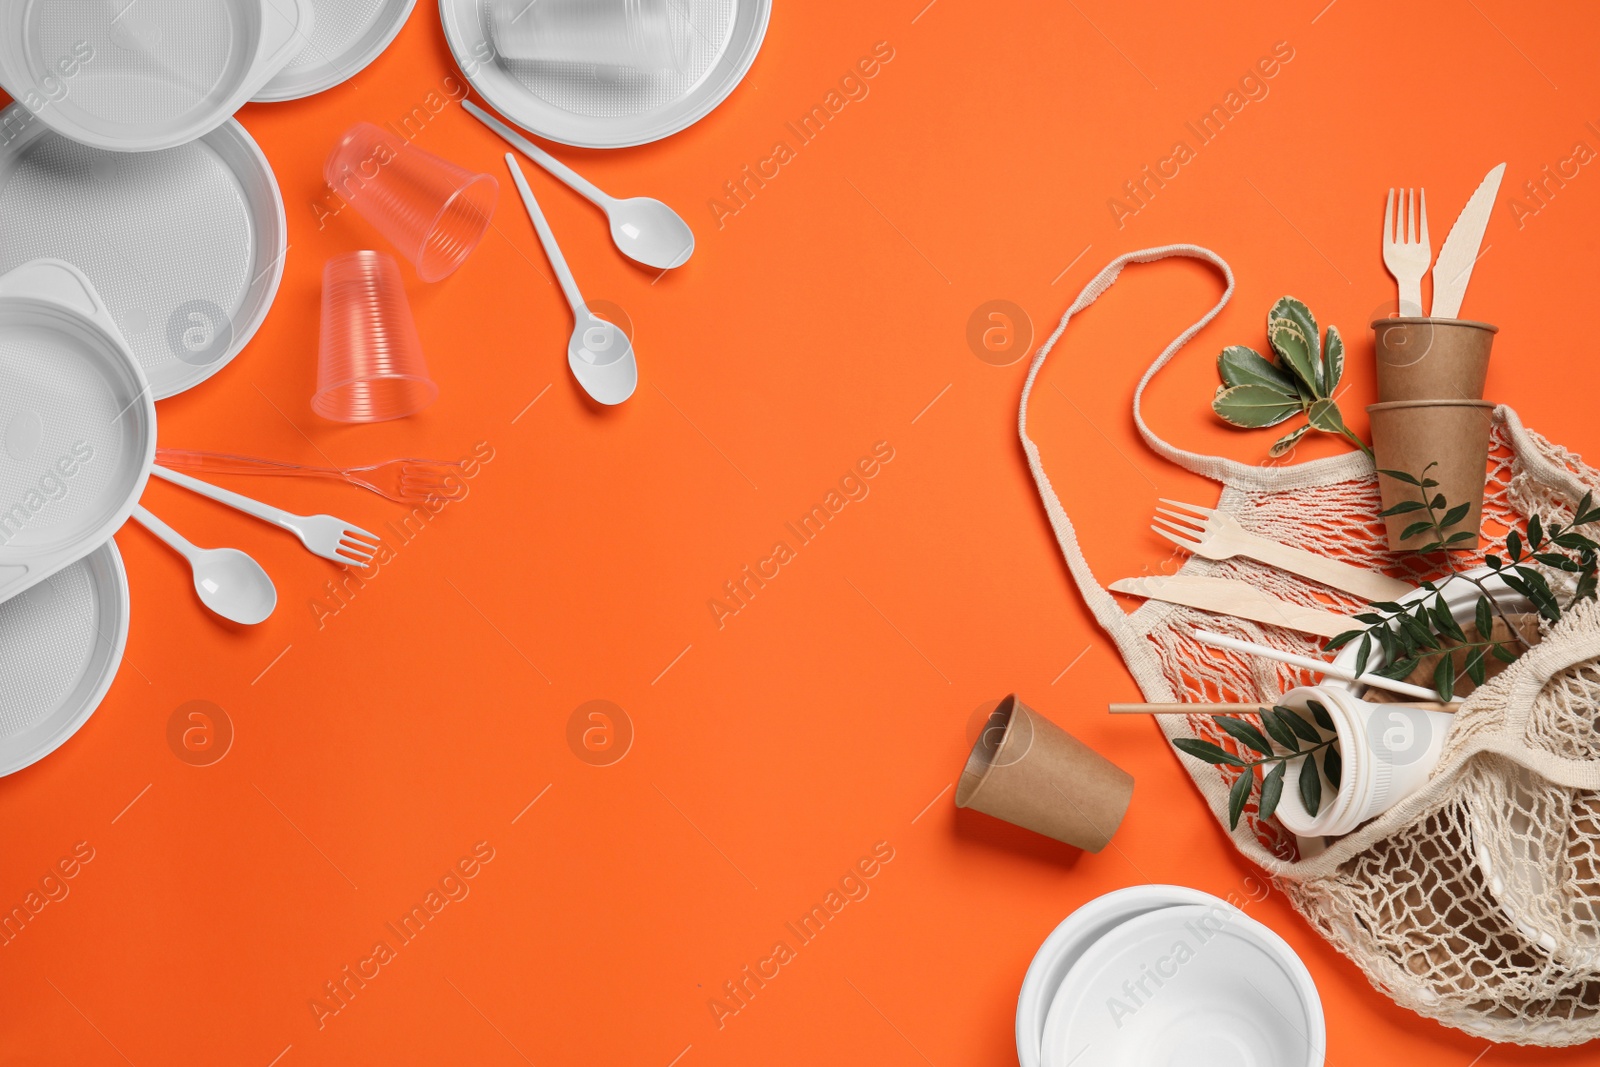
(405, 481)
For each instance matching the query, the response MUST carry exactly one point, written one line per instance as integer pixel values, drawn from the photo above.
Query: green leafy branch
(1292, 732)
(1257, 392)
(1410, 633)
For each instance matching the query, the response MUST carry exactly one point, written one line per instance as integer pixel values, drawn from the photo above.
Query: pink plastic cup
(369, 366)
(433, 211)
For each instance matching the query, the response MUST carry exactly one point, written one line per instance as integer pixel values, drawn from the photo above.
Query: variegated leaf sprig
(1257, 392)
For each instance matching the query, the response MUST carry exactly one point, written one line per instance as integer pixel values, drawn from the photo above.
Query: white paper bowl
(1068, 942)
(1196, 985)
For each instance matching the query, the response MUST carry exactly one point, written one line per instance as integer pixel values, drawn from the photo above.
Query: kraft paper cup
(1027, 770)
(1432, 359)
(1408, 436)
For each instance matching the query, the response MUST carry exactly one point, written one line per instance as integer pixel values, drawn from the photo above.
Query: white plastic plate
(61, 643)
(1197, 985)
(592, 107)
(186, 246)
(141, 76)
(349, 34)
(77, 425)
(1068, 942)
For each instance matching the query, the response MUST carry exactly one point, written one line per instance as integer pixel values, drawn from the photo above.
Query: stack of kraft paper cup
(1431, 411)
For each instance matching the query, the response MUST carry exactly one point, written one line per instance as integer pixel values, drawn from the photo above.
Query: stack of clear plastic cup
(370, 366)
(644, 35)
(431, 210)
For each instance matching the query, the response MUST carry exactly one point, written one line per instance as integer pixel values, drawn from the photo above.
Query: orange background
(376, 746)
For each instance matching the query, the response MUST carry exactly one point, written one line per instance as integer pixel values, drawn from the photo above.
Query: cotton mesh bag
(1476, 900)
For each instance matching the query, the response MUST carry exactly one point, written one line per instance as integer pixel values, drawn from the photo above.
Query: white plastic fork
(1211, 534)
(1406, 253)
(323, 535)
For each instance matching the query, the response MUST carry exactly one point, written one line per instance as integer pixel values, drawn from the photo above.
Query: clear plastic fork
(404, 481)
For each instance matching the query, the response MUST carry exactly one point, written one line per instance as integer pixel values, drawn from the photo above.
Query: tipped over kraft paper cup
(1027, 770)
(1453, 435)
(1432, 359)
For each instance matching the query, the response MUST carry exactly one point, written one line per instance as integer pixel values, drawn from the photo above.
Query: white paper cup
(1386, 753)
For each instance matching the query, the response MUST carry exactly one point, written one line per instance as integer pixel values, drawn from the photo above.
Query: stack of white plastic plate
(1163, 976)
(608, 107)
(139, 77)
(185, 245)
(348, 35)
(77, 440)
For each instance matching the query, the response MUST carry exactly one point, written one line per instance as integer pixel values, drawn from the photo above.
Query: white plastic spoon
(229, 582)
(600, 354)
(645, 230)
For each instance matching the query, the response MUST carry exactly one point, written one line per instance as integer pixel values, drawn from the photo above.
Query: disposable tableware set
(1418, 808)
(143, 239)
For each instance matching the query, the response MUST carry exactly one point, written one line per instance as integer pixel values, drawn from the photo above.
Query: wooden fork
(1214, 535)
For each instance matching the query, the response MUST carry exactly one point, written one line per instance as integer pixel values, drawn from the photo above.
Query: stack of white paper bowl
(1163, 976)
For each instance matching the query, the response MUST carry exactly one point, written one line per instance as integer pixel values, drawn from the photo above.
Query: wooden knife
(1228, 596)
(1454, 267)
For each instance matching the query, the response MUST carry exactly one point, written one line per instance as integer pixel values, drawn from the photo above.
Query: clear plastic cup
(431, 210)
(369, 364)
(644, 35)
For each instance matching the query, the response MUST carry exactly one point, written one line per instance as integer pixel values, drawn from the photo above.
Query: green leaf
(1325, 416)
(1444, 622)
(1239, 365)
(1458, 537)
(1484, 619)
(1418, 633)
(1405, 507)
(1504, 654)
(1206, 751)
(1332, 360)
(1494, 561)
(1280, 732)
(1271, 791)
(1444, 677)
(1310, 786)
(1284, 444)
(1293, 333)
(1454, 515)
(1237, 796)
(1476, 667)
(1332, 764)
(1398, 669)
(1514, 546)
(1416, 528)
(1363, 653)
(1292, 719)
(1535, 534)
(1320, 713)
(1253, 406)
(1401, 476)
(1343, 639)
(1575, 541)
(1245, 734)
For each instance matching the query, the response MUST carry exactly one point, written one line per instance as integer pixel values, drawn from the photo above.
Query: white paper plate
(595, 108)
(1067, 944)
(348, 35)
(141, 76)
(1197, 985)
(186, 246)
(77, 425)
(61, 643)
